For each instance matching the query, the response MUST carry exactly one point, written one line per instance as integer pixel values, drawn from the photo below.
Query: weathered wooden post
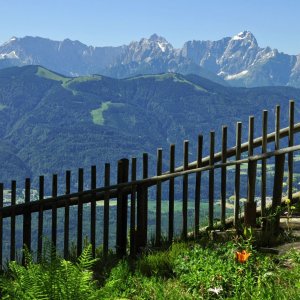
(277, 190)
(250, 205)
(40, 218)
(211, 188)
(264, 163)
(93, 209)
(142, 208)
(13, 221)
(185, 190)
(54, 213)
(27, 219)
(171, 193)
(106, 209)
(133, 209)
(198, 186)
(158, 198)
(237, 174)
(122, 206)
(223, 176)
(67, 215)
(291, 154)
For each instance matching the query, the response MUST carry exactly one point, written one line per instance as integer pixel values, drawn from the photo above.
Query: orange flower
(242, 256)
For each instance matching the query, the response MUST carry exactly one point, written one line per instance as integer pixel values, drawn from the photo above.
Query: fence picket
(198, 186)
(106, 210)
(67, 215)
(13, 221)
(40, 217)
(171, 194)
(133, 210)
(185, 184)
(277, 128)
(250, 205)
(223, 176)
(80, 212)
(93, 210)
(158, 198)
(27, 219)
(264, 163)
(54, 212)
(211, 189)
(237, 174)
(277, 189)
(122, 207)
(291, 143)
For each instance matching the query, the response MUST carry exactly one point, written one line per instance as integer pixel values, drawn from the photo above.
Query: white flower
(216, 290)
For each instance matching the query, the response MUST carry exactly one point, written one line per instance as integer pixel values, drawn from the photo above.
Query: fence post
(27, 219)
(223, 176)
(41, 218)
(264, 163)
(93, 209)
(106, 210)
(277, 128)
(13, 222)
(122, 206)
(54, 212)
(250, 205)
(237, 174)
(171, 194)
(185, 184)
(211, 189)
(198, 187)
(291, 154)
(133, 209)
(80, 211)
(277, 189)
(67, 215)
(142, 208)
(158, 198)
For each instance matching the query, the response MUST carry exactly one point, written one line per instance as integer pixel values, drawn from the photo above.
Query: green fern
(51, 279)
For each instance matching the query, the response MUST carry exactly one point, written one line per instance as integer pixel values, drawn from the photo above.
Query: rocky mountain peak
(237, 59)
(245, 38)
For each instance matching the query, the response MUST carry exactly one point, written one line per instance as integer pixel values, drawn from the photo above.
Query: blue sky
(275, 23)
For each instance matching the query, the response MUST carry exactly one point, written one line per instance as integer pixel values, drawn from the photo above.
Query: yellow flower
(287, 201)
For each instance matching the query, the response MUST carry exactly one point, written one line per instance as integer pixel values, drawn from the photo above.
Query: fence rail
(133, 190)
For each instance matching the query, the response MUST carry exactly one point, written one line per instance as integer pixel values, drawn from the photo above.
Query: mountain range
(50, 122)
(235, 61)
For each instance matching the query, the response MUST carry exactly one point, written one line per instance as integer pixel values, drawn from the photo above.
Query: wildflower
(287, 201)
(242, 256)
(216, 290)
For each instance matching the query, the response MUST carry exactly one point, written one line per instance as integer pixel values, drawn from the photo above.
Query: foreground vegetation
(183, 271)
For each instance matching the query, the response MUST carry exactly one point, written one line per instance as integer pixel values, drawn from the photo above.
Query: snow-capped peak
(243, 35)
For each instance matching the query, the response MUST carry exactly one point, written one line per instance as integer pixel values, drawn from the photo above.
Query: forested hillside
(50, 123)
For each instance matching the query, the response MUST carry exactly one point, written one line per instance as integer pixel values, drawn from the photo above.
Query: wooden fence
(130, 189)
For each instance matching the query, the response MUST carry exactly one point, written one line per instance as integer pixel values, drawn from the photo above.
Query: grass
(176, 78)
(2, 107)
(42, 72)
(190, 270)
(97, 114)
(65, 81)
